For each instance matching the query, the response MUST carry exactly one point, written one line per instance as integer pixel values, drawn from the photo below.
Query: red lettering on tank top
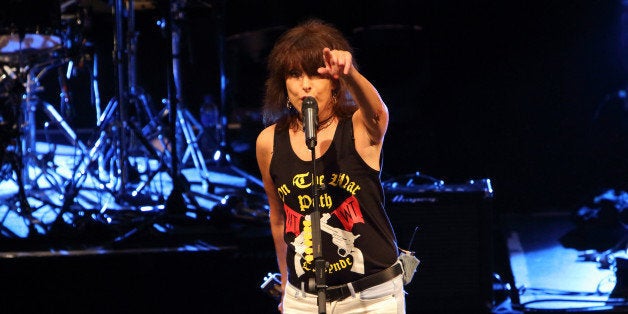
(349, 213)
(293, 220)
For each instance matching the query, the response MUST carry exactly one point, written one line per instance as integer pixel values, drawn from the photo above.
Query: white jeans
(386, 298)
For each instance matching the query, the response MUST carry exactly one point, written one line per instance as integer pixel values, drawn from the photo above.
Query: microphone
(309, 110)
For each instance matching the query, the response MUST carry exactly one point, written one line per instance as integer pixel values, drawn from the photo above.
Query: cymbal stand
(137, 95)
(35, 172)
(128, 91)
(221, 155)
(121, 93)
(117, 129)
(178, 109)
(30, 103)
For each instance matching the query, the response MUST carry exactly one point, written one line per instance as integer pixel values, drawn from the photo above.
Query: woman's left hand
(337, 63)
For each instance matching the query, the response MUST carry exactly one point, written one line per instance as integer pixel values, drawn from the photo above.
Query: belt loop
(350, 286)
(303, 289)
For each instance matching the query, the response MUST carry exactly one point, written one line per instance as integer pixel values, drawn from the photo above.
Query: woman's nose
(305, 83)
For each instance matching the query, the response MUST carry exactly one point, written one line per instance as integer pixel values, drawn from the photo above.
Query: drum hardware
(32, 44)
(116, 117)
(30, 103)
(23, 49)
(179, 120)
(10, 149)
(28, 54)
(20, 160)
(10, 97)
(105, 162)
(27, 43)
(28, 30)
(19, 202)
(37, 173)
(221, 155)
(118, 137)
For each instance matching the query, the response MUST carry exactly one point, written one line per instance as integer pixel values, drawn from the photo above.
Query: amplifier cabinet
(449, 227)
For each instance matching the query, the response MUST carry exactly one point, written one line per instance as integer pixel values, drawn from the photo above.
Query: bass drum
(29, 29)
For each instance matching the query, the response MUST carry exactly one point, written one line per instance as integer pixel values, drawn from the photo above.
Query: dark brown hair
(301, 48)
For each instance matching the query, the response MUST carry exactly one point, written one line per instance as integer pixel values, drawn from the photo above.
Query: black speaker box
(448, 226)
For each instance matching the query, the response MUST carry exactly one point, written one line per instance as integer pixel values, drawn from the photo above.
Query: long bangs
(302, 56)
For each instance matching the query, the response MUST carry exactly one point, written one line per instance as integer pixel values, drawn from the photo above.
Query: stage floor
(561, 263)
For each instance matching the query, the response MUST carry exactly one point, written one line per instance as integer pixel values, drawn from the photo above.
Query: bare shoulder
(266, 135)
(265, 140)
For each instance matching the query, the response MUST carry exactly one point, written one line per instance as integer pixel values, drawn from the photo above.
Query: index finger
(327, 55)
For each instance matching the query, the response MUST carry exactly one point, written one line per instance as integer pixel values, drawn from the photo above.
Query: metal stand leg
(221, 156)
(32, 167)
(118, 132)
(181, 114)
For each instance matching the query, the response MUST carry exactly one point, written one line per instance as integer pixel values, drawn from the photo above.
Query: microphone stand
(319, 263)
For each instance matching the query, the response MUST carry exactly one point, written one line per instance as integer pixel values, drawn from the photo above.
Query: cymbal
(28, 49)
(29, 43)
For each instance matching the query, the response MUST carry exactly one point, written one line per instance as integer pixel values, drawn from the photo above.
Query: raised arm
(372, 112)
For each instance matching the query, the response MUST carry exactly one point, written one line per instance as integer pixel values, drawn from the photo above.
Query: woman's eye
(294, 73)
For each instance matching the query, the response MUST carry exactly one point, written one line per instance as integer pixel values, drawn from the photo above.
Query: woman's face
(299, 85)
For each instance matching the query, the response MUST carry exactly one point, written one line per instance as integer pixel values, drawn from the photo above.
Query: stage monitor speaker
(451, 230)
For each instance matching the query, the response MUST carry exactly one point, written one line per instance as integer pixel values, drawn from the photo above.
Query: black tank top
(356, 235)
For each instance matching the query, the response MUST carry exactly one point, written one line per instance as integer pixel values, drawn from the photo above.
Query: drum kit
(134, 146)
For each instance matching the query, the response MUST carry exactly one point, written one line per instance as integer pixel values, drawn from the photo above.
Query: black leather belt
(341, 292)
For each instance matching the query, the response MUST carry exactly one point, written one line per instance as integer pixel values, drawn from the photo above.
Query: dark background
(526, 93)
